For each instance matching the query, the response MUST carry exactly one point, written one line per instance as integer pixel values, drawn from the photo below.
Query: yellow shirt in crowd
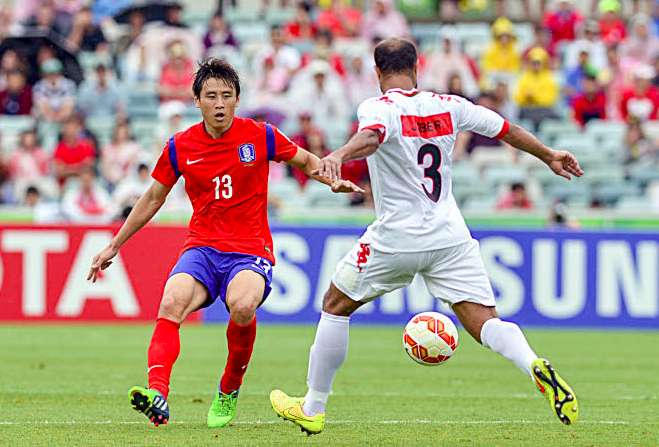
(537, 89)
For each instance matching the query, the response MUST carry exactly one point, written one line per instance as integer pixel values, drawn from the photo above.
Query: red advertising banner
(43, 273)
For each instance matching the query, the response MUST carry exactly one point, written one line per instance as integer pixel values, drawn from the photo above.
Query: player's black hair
(214, 68)
(393, 56)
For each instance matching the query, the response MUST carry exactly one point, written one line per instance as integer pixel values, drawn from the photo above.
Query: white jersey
(411, 170)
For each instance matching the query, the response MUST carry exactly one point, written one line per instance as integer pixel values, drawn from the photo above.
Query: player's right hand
(330, 167)
(101, 261)
(565, 164)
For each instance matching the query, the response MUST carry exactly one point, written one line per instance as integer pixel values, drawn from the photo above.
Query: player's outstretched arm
(563, 163)
(361, 145)
(310, 164)
(143, 211)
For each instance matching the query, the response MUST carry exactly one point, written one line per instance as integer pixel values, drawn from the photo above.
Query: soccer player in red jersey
(228, 252)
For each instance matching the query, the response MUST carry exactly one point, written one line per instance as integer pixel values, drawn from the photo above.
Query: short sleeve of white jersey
(376, 114)
(479, 119)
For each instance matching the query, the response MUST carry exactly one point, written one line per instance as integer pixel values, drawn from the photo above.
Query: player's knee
(242, 312)
(336, 303)
(172, 307)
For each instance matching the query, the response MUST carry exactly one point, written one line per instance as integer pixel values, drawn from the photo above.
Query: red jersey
(226, 180)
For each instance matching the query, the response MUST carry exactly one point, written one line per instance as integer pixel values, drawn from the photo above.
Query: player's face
(217, 102)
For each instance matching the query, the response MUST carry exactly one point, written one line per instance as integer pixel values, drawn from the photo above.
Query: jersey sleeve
(376, 114)
(479, 119)
(166, 169)
(280, 147)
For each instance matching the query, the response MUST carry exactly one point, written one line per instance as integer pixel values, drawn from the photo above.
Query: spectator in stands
(306, 128)
(614, 81)
(10, 62)
(101, 96)
(105, 10)
(641, 46)
(87, 202)
(574, 77)
(136, 22)
(316, 145)
(340, 18)
(591, 104)
(516, 198)
(324, 49)
(448, 61)
(85, 35)
(562, 23)
(612, 26)
(74, 152)
(502, 101)
(302, 29)
(170, 117)
(542, 39)
(637, 146)
(177, 74)
(641, 101)
(501, 56)
(32, 196)
(360, 82)
(284, 57)
(47, 19)
(16, 97)
(219, 35)
(383, 21)
(129, 189)
(467, 142)
(320, 97)
(174, 15)
(54, 95)
(590, 43)
(537, 91)
(120, 156)
(28, 164)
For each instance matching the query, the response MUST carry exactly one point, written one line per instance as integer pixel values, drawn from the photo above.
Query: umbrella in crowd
(35, 45)
(151, 10)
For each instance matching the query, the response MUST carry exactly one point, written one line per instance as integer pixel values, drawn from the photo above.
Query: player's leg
(245, 291)
(457, 275)
(183, 294)
(362, 275)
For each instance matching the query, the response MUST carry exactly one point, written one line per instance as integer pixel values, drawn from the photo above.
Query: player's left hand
(330, 167)
(345, 186)
(565, 164)
(101, 261)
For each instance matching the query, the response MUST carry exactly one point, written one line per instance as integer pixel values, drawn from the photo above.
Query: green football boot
(223, 409)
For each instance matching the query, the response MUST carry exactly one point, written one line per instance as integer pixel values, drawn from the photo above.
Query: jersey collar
(411, 92)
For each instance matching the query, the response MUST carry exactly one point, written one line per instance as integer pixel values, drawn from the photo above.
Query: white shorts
(453, 274)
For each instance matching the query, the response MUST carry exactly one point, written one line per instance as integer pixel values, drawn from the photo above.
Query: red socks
(240, 340)
(163, 352)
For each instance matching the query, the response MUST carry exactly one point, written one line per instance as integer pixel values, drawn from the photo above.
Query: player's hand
(101, 261)
(565, 164)
(345, 186)
(330, 167)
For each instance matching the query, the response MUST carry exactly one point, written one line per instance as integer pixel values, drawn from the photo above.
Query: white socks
(326, 356)
(508, 340)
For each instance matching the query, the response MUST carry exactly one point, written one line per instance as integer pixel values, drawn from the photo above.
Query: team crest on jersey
(247, 153)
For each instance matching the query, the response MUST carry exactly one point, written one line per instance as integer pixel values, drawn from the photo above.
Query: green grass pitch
(67, 386)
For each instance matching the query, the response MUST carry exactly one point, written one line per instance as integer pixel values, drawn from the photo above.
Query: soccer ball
(430, 338)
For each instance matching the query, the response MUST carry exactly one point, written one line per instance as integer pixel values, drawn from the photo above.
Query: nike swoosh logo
(191, 162)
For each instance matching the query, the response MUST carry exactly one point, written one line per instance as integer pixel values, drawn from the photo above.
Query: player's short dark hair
(395, 56)
(214, 68)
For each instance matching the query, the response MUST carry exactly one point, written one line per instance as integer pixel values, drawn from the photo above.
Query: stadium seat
(480, 205)
(497, 175)
(473, 189)
(251, 32)
(638, 204)
(464, 172)
(576, 143)
(651, 129)
(318, 195)
(644, 174)
(15, 124)
(567, 191)
(497, 156)
(550, 129)
(606, 131)
(604, 175)
(610, 193)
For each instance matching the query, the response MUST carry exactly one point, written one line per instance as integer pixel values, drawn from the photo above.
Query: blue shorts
(215, 270)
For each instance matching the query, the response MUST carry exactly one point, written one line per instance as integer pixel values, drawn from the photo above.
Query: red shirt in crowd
(562, 26)
(226, 180)
(612, 32)
(177, 79)
(643, 106)
(587, 108)
(81, 151)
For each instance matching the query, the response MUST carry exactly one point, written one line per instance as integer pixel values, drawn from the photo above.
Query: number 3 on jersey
(225, 183)
(433, 171)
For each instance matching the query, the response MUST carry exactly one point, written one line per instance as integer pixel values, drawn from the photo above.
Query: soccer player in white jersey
(408, 136)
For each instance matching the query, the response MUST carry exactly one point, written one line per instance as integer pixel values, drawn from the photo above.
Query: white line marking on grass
(338, 422)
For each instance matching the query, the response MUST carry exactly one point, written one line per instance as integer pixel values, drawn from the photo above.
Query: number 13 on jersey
(225, 185)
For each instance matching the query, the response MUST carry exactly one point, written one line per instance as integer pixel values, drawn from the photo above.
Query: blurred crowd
(90, 91)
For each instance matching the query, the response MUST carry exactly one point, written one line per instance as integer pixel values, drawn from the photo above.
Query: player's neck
(403, 82)
(217, 132)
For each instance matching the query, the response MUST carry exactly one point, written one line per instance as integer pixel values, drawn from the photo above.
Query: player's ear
(197, 103)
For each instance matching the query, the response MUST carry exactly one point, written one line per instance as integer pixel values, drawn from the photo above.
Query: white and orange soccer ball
(430, 338)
